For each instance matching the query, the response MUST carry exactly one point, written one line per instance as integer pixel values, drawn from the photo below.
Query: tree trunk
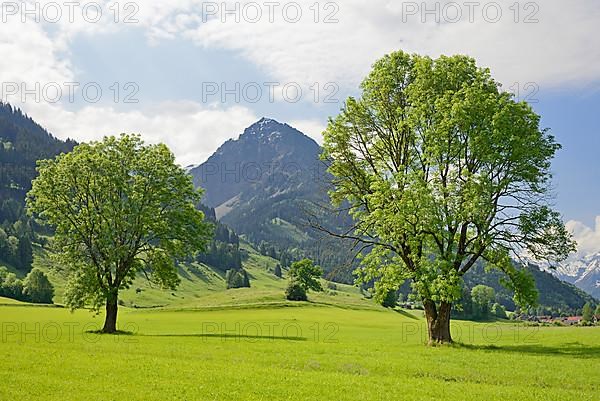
(438, 322)
(110, 322)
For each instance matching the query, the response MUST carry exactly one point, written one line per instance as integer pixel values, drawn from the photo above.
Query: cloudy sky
(193, 74)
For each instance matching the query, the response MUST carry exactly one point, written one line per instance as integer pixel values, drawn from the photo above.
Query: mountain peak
(267, 120)
(268, 130)
(261, 161)
(263, 126)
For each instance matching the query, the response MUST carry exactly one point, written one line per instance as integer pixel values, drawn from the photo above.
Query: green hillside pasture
(10, 301)
(307, 352)
(203, 287)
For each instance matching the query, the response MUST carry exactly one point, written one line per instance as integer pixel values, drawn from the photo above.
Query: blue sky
(178, 69)
(174, 51)
(572, 117)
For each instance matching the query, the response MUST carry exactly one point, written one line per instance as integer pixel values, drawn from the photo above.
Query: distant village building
(571, 320)
(566, 320)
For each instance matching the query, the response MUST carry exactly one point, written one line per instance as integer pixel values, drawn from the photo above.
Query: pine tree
(25, 254)
(588, 312)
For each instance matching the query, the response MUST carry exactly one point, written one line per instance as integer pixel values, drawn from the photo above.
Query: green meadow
(203, 342)
(308, 351)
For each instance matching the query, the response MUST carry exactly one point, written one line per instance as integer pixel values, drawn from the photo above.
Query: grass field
(308, 352)
(203, 342)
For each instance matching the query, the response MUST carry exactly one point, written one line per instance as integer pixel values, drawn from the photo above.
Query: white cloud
(190, 130)
(29, 56)
(557, 50)
(312, 128)
(32, 55)
(588, 238)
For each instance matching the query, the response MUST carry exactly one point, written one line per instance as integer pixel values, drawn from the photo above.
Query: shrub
(10, 285)
(499, 311)
(295, 291)
(390, 299)
(237, 279)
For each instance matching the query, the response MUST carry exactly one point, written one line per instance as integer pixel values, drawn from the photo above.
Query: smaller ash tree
(304, 276)
(119, 208)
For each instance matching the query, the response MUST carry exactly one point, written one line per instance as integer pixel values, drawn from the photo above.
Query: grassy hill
(10, 301)
(204, 287)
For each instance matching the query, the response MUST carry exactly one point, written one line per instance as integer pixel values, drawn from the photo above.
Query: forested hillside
(555, 296)
(22, 143)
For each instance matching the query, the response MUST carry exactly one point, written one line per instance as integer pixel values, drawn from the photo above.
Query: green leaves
(37, 287)
(118, 207)
(306, 274)
(441, 168)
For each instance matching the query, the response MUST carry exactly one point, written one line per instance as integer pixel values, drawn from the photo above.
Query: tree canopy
(439, 169)
(37, 288)
(119, 207)
(306, 274)
(482, 297)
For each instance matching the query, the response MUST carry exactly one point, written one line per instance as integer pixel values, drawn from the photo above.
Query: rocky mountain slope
(267, 185)
(584, 272)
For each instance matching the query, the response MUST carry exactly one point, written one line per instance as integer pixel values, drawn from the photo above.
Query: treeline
(224, 252)
(331, 254)
(552, 312)
(479, 303)
(340, 267)
(22, 143)
(285, 257)
(16, 235)
(222, 256)
(34, 288)
(295, 235)
(556, 298)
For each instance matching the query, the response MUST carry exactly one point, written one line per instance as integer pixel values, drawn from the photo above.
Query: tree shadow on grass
(229, 336)
(574, 349)
(183, 273)
(196, 272)
(116, 333)
(202, 275)
(405, 314)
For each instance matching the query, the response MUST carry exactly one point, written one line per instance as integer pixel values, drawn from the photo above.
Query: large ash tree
(120, 208)
(441, 169)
